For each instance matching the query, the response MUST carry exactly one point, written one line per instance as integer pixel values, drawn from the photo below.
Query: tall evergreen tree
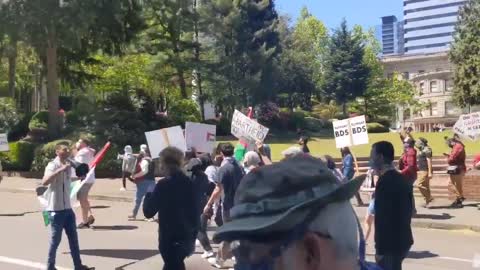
(346, 75)
(243, 44)
(465, 54)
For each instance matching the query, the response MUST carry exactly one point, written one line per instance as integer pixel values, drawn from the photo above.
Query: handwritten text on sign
(3, 143)
(246, 128)
(352, 131)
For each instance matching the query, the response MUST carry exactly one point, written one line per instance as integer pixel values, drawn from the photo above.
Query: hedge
(377, 128)
(20, 156)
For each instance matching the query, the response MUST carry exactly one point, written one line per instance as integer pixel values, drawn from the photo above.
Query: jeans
(142, 188)
(60, 220)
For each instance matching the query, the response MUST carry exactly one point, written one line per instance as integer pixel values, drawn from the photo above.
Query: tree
(170, 37)
(76, 27)
(243, 42)
(346, 75)
(465, 55)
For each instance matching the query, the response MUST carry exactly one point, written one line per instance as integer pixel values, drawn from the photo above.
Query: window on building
(422, 88)
(448, 85)
(434, 87)
(451, 109)
(434, 109)
(406, 114)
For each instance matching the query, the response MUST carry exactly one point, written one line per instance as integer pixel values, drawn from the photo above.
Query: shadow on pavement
(127, 254)
(448, 206)
(421, 255)
(443, 216)
(115, 228)
(19, 214)
(100, 207)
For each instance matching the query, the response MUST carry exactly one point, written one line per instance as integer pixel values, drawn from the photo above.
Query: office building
(390, 33)
(429, 24)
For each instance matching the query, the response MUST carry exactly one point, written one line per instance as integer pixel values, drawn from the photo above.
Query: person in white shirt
(85, 155)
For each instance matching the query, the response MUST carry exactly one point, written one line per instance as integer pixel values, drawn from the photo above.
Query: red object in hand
(98, 158)
(250, 112)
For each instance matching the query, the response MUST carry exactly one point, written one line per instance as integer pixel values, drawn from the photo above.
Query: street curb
(415, 224)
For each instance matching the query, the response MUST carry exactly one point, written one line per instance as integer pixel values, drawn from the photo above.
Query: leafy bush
(267, 113)
(315, 125)
(385, 122)
(39, 120)
(224, 126)
(184, 110)
(376, 128)
(290, 120)
(8, 114)
(20, 129)
(20, 156)
(45, 153)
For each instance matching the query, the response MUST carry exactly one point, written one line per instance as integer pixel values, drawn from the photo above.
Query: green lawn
(323, 146)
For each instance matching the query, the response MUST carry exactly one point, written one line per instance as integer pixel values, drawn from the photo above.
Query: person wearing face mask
(425, 170)
(393, 209)
(456, 168)
(408, 166)
(294, 215)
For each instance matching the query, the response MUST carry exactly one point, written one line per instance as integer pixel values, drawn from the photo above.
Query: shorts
(83, 192)
(371, 208)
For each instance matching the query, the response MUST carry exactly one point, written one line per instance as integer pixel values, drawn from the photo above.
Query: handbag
(453, 169)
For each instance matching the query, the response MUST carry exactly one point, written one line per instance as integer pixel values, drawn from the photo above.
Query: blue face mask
(268, 263)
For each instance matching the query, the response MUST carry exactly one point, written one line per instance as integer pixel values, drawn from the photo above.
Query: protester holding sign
(348, 169)
(58, 179)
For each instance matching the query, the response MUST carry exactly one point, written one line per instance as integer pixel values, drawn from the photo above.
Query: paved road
(116, 243)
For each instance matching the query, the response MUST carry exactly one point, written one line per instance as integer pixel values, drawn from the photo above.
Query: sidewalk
(439, 216)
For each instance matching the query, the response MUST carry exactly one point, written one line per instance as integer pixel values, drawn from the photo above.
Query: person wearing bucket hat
(294, 215)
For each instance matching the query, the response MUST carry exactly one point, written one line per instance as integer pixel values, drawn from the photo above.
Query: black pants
(173, 255)
(391, 261)
(202, 233)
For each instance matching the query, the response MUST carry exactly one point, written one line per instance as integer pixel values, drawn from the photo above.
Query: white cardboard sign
(202, 137)
(4, 143)
(352, 131)
(246, 128)
(468, 126)
(160, 139)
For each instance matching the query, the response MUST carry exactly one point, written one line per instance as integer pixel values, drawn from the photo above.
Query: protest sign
(160, 139)
(202, 137)
(4, 143)
(352, 131)
(468, 126)
(246, 128)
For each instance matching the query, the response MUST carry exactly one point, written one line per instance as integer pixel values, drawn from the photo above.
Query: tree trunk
(344, 109)
(201, 100)
(54, 125)
(12, 68)
(183, 84)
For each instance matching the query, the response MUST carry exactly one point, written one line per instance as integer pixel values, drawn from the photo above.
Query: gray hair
(171, 160)
(292, 152)
(251, 159)
(338, 221)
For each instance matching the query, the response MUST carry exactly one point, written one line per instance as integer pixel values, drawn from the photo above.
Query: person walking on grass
(85, 155)
(393, 209)
(57, 178)
(425, 169)
(229, 176)
(457, 169)
(173, 198)
(144, 178)
(349, 166)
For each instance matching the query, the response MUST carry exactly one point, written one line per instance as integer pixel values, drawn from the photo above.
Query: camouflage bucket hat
(276, 198)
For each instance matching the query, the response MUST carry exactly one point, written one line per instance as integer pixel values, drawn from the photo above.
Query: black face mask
(268, 263)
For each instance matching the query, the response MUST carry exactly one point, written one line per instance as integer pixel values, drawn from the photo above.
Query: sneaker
(83, 226)
(91, 220)
(149, 219)
(123, 189)
(207, 254)
(132, 217)
(217, 263)
(456, 204)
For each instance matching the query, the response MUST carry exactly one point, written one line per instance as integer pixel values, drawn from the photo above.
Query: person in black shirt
(174, 200)
(393, 209)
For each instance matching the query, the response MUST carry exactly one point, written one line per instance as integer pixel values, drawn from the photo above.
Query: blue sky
(367, 13)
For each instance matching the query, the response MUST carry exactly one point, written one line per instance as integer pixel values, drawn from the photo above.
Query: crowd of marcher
(294, 214)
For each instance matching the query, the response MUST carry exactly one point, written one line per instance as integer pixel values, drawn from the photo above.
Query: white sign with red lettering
(202, 137)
